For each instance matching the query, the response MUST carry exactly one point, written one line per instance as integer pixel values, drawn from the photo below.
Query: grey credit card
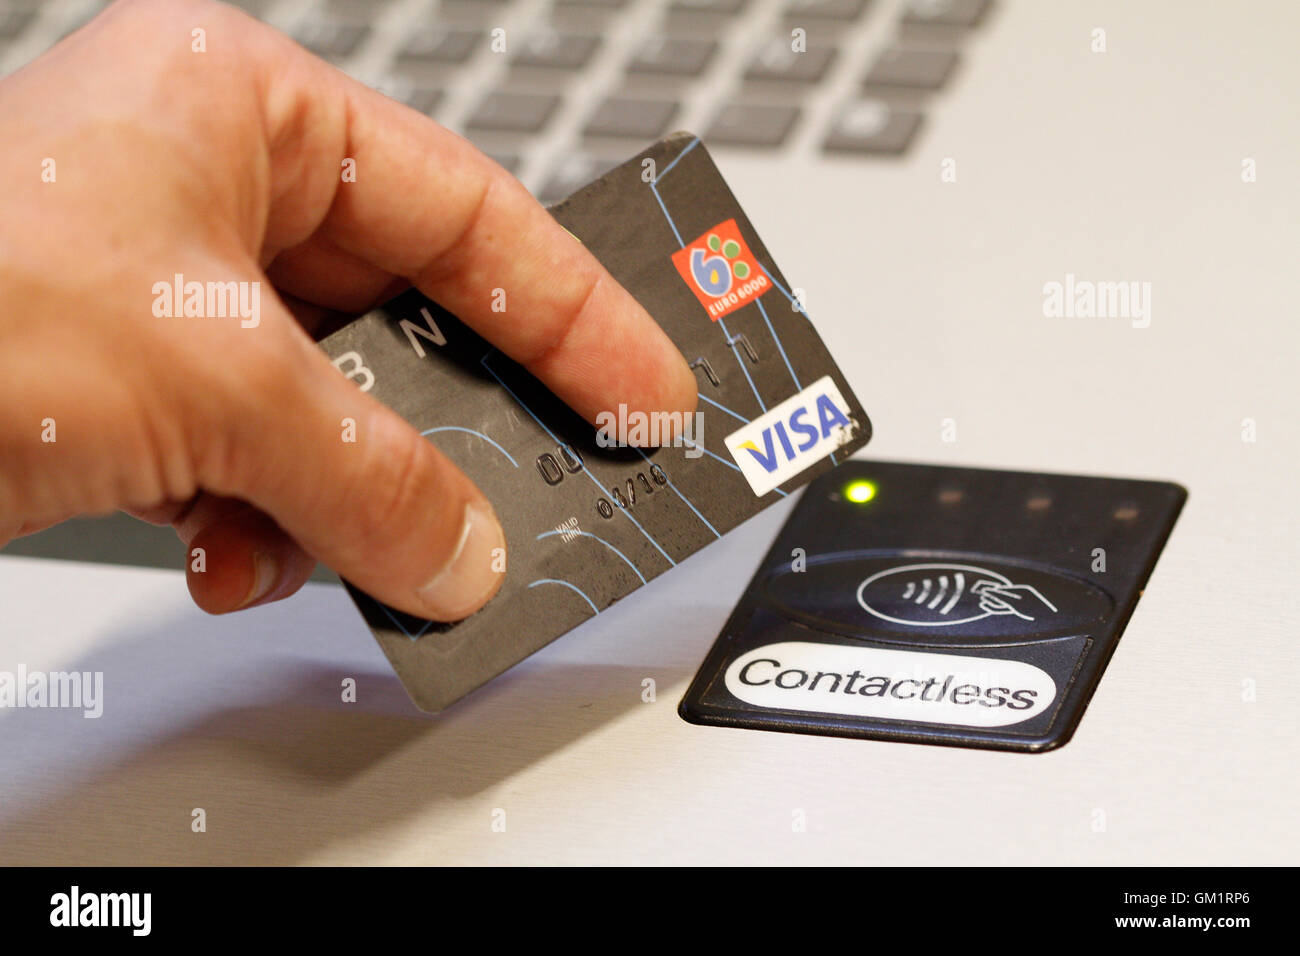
(586, 525)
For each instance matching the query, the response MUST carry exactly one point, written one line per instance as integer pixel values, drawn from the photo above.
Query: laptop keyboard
(559, 91)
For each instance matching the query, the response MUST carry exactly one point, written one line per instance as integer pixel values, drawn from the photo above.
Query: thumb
(347, 478)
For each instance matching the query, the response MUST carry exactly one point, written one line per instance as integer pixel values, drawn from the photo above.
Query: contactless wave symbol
(942, 595)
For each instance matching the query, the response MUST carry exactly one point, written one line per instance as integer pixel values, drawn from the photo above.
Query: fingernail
(470, 578)
(266, 572)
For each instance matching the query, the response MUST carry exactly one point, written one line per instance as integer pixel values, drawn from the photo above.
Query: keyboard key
(513, 112)
(254, 8)
(14, 20)
(556, 51)
(440, 45)
(331, 37)
(870, 126)
(922, 69)
(952, 13)
(824, 9)
(486, 13)
(674, 56)
(775, 60)
(425, 99)
(572, 173)
(416, 95)
(507, 161)
(709, 6)
(742, 124)
(631, 117)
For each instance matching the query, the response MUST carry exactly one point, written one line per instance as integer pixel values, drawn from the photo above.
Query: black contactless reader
(956, 606)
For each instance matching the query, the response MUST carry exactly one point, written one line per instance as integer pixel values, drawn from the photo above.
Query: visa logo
(790, 437)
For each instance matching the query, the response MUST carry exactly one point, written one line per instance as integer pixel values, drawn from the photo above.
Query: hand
(998, 599)
(129, 157)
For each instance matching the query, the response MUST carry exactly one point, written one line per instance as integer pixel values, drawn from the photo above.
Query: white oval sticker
(895, 685)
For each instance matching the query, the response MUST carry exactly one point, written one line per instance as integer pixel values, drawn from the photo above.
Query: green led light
(860, 492)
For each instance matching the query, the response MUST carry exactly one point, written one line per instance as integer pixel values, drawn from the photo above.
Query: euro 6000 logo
(721, 270)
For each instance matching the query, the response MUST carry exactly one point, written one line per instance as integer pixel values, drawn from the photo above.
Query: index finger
(427, 205)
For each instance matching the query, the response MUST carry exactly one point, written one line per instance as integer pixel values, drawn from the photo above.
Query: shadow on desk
(280, 765)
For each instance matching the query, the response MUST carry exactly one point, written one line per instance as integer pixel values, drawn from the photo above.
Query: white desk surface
(1116, 167)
